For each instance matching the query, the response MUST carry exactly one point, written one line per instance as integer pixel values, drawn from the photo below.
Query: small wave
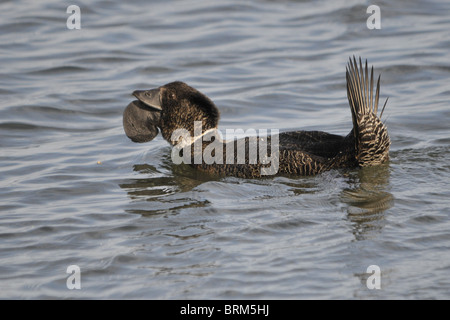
(58, 70)
(21, 126)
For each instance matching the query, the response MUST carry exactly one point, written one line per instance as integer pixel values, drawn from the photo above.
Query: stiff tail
(371, 138)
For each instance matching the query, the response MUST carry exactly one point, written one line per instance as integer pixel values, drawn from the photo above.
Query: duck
(188, 120)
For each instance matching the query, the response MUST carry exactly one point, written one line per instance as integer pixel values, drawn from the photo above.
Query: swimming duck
(188, 120)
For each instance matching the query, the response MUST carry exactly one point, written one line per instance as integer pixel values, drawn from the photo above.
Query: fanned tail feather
(371, 138)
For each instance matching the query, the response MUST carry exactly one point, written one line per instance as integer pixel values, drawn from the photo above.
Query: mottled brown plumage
(177, 106)
(371, 138)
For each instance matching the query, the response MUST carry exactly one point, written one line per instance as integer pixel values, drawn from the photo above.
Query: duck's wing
(318, 143)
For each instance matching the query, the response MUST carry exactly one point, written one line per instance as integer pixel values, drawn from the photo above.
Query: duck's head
(170, 107)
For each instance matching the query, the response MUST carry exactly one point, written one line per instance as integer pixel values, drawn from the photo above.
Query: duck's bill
(149, 97)
(140, 122)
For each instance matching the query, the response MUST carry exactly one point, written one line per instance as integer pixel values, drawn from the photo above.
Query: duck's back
(319, 143)
(295, 153)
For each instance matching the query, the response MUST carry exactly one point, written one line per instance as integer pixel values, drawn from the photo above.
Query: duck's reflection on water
(167, 187)
(368, 199)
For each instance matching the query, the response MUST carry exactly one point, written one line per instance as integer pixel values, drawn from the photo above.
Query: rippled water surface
(75, 191)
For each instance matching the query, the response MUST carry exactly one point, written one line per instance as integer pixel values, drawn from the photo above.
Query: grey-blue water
(74, 190)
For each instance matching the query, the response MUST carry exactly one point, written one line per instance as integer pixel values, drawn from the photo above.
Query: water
(75, 191)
